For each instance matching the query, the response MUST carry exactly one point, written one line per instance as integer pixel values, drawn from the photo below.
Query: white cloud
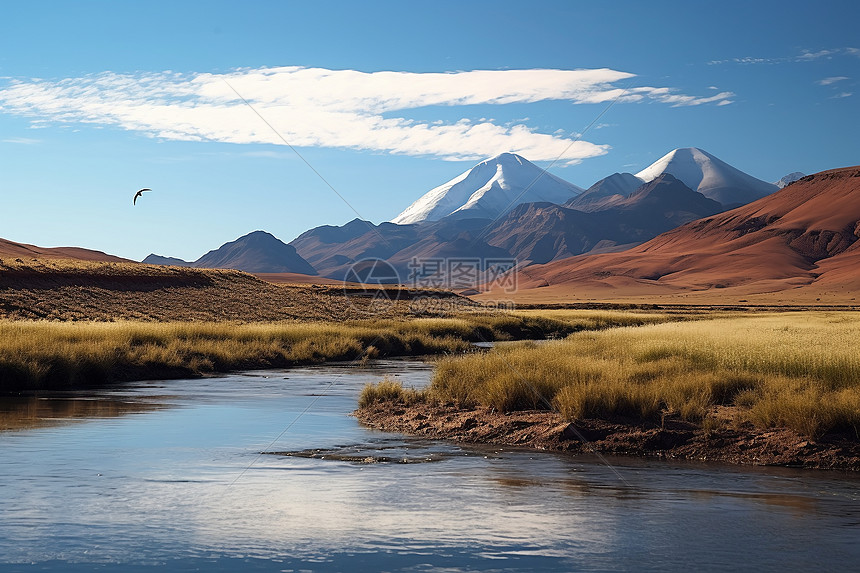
(721, 98)
(833, 80)
(314, 107)
(808, 56)
(804, 56)
(842, 95)
(22, 140)
(748, 60)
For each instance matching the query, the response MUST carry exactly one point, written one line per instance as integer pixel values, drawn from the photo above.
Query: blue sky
(98, 99)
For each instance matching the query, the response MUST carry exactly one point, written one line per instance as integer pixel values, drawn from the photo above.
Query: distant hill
(257, 252)
(154, 259)
(601, 194)
(12, 250)
(109, 291)
(333, 251)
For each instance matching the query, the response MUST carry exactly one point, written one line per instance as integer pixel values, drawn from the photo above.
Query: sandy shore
(675, 439)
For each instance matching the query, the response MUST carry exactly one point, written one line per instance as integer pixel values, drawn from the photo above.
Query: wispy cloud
(22, 140)
(804, 56)
(314, 107)
(749, 60)
(833, 80)
(842, 95)
(808, 56)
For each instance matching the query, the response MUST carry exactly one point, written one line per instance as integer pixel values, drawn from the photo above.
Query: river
(169, 476)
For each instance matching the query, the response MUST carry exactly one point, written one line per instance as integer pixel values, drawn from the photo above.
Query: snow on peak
(489, 189)
(710, 176)
(790, 178)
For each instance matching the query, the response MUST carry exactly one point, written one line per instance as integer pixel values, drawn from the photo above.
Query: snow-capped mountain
(488, 190)
(710, 176)
(790, 178)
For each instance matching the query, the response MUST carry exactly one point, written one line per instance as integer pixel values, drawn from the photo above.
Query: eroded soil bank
(674, 439)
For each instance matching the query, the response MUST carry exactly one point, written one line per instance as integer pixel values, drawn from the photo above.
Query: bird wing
(138, 194)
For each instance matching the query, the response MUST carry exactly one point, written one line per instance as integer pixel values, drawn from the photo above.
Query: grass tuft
(388, 391)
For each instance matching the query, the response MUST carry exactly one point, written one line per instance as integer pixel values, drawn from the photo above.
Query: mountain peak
(488, 190)
(789, 179)
(258, 236)
(256, 252)
(605, 192)
(709, 175)
(666, 187)
(153, 259)
(507, 157)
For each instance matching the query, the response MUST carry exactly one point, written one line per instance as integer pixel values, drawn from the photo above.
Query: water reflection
(39, 411)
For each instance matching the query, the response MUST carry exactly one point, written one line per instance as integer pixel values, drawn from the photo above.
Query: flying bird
(138, 194)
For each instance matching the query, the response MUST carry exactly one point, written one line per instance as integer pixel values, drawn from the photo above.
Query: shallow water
(170, 476)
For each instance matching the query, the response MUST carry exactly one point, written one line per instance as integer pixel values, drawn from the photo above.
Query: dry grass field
(59, 354)
(105, 291)
(795, 370)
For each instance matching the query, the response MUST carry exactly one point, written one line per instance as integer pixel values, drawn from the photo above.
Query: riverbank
(37, 355)
(675, 439)
(770, 388)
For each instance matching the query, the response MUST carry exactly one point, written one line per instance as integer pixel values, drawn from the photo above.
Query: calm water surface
(169, 476)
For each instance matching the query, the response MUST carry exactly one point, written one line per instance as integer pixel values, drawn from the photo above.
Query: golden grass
(799, 370)
(46, 354)
(388, 390)
(40, 354)
(595, 319)
(96, 268)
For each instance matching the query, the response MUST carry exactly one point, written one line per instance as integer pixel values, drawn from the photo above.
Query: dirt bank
(674, 439)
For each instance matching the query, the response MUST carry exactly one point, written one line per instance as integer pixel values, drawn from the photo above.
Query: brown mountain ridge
(13, 250)
(799, 243)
